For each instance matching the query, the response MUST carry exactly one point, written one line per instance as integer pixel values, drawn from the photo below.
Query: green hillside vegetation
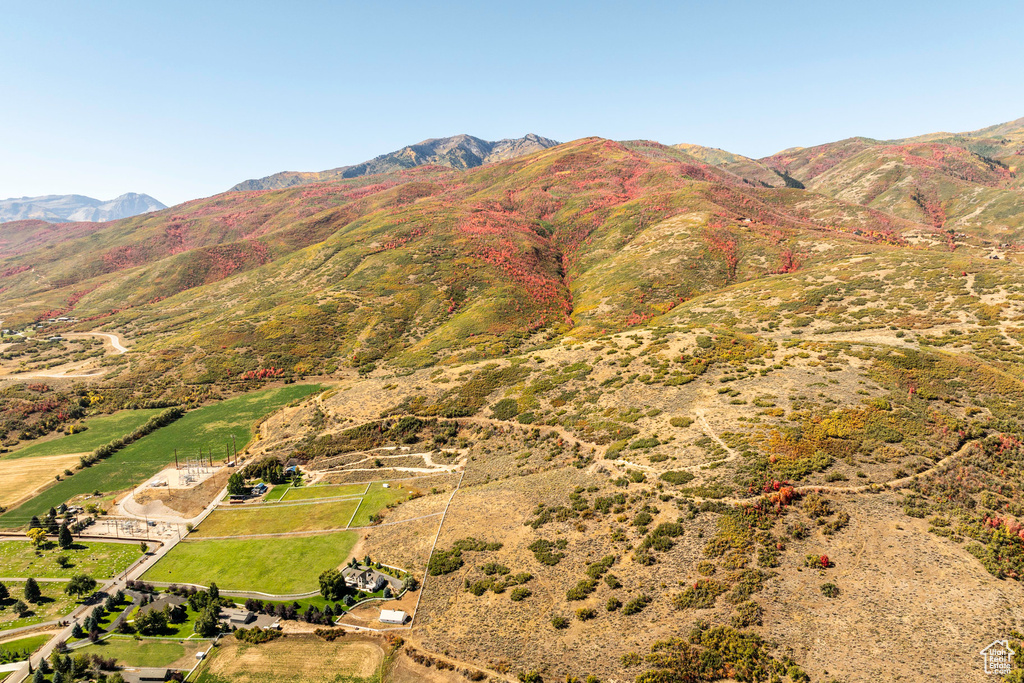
(431, 265)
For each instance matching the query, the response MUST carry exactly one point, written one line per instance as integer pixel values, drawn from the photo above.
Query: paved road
(80, 612)
(133, 573)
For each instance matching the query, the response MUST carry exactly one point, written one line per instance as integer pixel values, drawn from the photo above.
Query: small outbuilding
(393, 616)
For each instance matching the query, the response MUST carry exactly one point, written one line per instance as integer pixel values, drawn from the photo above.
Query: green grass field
(276, 493)
(55, 603)
(375, 500)
(23, 645)
(317, 601)
(269, 565)
(330, 491)
(208, 427)
(99, 560)
(103, 429)
(277, 519)
(181, 630)
(143, 653)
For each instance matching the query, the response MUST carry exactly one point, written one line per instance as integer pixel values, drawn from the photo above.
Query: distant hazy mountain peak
(64, 208)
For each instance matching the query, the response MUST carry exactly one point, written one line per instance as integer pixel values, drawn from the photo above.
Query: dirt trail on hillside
(111, 340)
(113, 343)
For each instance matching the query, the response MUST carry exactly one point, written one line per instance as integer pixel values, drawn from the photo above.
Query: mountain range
(459, 152)
(70, 208)
(500, 247)
(713, 417)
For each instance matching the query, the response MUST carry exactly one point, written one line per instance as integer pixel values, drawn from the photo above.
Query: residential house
(364, 578)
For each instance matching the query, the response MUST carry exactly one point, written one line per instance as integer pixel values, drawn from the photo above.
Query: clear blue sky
(184, 99)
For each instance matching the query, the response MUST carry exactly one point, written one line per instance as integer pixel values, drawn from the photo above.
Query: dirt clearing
(187, 502)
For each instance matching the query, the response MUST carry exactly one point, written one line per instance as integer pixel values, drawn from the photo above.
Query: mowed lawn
(275, 493)
(22, 645)
(277, 519)
(329, 491)
(54, 604)
(376, 499)
(205, 428)
(19, 559)
(101, 430)
(145, 653)
(270, 565)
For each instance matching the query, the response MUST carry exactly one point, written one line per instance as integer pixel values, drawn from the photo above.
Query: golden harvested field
(23, 477)
(295, 659)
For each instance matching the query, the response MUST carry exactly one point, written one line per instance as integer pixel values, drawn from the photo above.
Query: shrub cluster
(701, 595)
(448, 561)
(581, 590)
(545, 551)
(257, 635)
(637, 604)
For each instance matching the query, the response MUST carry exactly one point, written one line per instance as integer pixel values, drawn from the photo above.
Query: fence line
(426, 570)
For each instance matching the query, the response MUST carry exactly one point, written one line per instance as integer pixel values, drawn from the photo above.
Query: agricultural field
(319, 491)
(208, 427)
(100, 560)
(100, 430)
(376, 499)
(22, 477)
(277, 519)
(276, 493)
(55, 603)
(296, 659)
(270, 565)
(147, 653)
(298, 511)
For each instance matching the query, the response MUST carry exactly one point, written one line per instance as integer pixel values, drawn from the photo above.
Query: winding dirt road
(113, 343)
(116, 341)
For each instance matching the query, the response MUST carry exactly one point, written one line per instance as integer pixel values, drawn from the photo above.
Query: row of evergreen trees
(152, 424)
